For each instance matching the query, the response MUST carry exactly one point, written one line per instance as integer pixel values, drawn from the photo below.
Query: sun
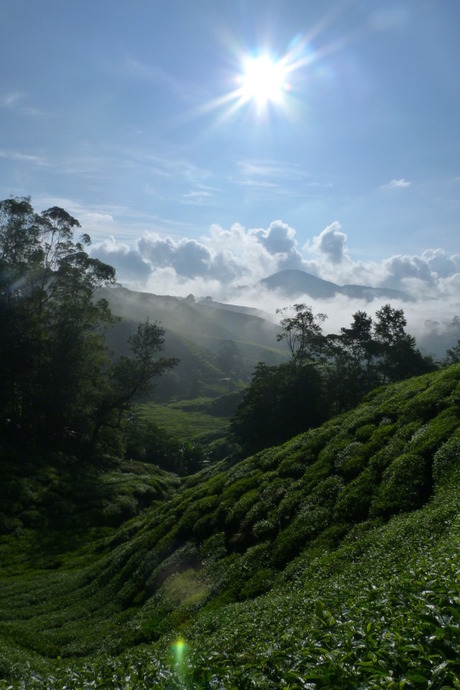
(263, 80)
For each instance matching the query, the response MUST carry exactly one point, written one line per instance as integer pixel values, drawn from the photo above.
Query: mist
(227, 265)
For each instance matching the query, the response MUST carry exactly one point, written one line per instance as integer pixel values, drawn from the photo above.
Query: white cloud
(131, 268)
(331, 242)
(97, 218)
(228, 264)
(189, 258)
(25, 158)
(397, 184)
(10, 99)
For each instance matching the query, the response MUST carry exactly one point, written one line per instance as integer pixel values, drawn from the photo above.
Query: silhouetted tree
(130, 376)
(302, 332)
(350, 369)
(54, 365)
(398, 357)
(452, 355)
(280, 402)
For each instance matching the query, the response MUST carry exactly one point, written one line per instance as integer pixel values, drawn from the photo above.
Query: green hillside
(329, 562)
(194, 332)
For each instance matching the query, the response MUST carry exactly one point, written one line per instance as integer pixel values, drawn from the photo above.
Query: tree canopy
(59, 382)
(326, 374)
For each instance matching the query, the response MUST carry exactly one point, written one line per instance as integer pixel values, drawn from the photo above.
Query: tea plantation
(329, 562)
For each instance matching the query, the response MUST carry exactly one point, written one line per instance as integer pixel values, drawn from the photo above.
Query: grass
(186, 420)
(295, 568)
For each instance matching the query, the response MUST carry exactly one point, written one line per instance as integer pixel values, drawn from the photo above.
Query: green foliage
(59, 386)
(405, 485)
(452, 355)
(446, 458)
(354, 502)
(165, 433)
(326, 375)
(302, 332)
(281, 402)
(343, 576)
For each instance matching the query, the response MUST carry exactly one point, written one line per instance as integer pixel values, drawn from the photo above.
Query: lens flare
(179, 648)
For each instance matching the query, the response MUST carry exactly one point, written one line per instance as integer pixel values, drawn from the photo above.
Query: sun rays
(261, 83)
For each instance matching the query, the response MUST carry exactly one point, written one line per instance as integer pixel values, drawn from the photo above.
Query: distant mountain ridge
(293, 283)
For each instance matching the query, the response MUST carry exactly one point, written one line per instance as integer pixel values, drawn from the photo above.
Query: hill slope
(205, 323)
(331, 561)
(194, 332)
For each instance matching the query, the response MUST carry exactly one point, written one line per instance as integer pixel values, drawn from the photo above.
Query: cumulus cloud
(223, 260)
(129, 264)
(331, 242)
(433, 274)
(441, 264)
(280, 242)
(229, 263)
(188, 258)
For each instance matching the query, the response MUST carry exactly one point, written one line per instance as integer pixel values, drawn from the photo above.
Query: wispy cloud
(165, 165)
(25, 158)
(134, 68)
(269, 169)
(397, 184)
(9, 100)
(16, 102)
(272, 175)
(198, 197)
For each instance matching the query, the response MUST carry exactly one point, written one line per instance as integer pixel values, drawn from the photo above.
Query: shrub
(202, 512)
(213, 548)
(264, 529)
(326, 493)
(364, 432)
(293, 465)
(289, 505)
(304, 528)
(205, 526)
(351, 460)
(405, 486)
(354, 502)
(241, 507)
(429, 437)
(289, 542)
(446, 457)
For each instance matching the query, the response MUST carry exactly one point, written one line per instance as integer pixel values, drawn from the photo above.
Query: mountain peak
(294, 283)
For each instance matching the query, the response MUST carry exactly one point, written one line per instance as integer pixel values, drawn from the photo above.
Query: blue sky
(133, 117)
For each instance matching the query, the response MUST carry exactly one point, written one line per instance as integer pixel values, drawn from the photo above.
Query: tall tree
(452, 355)
(399, 357)
(302, 332)
(130, 376)
(350, 369)
(280, 402)
(54, 363)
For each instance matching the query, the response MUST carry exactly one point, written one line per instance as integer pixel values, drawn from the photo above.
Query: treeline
(59, 385)
(326, 374)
